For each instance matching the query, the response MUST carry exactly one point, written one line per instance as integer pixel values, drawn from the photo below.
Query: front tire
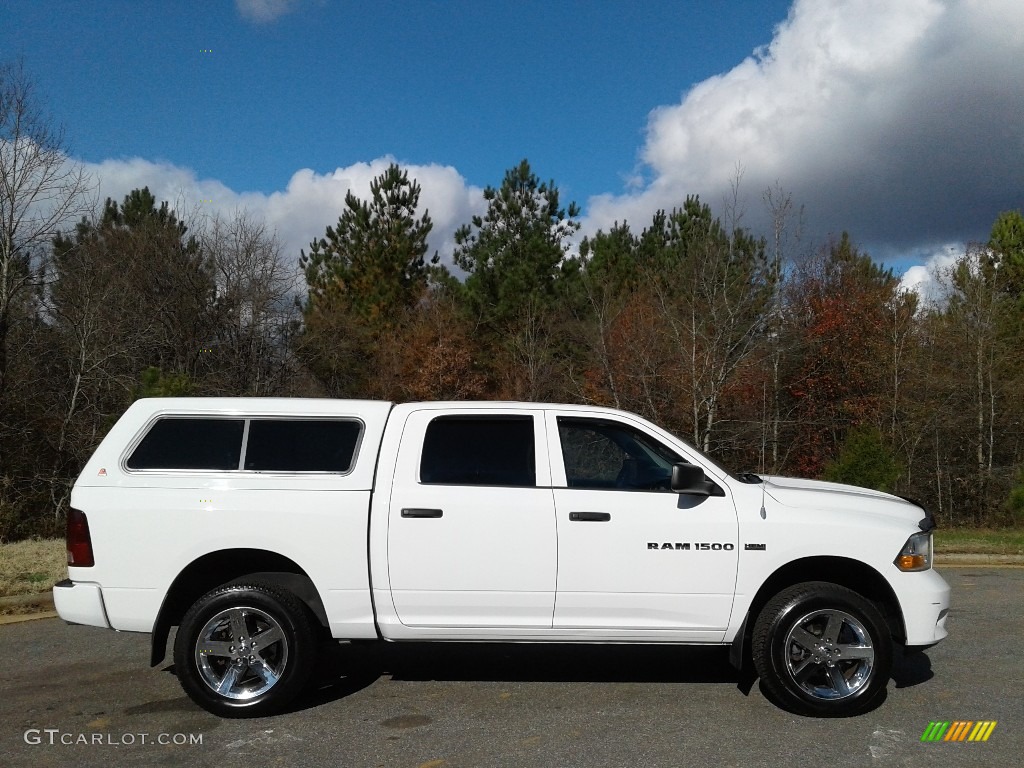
(822, 650)
(245, 650)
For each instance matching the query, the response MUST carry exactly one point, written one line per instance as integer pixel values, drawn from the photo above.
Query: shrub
(865, 460)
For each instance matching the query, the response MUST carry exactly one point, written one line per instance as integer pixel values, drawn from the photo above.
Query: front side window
(190, 443)
(602, 454)
(479, 450)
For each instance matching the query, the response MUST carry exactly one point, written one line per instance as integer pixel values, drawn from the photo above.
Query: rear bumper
(80, 603)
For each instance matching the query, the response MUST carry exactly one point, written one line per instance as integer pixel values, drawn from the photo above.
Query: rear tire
(822, 650)
(245, 650)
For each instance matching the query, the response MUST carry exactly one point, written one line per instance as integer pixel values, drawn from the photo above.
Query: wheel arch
(846, 572)
(215, 569)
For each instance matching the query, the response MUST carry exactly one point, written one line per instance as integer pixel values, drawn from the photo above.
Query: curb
(18, 618)
(18, 601)
(42, 605)
(962, 558)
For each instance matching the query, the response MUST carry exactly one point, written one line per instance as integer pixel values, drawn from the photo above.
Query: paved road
(462, 706)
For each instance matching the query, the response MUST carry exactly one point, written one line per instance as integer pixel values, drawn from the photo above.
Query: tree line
(771, 354)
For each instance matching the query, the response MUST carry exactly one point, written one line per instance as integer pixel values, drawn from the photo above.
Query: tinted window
(297, 445)
(605, 454)
(190, 444)
(486, 450)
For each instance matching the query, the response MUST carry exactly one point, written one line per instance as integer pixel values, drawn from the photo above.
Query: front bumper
(924, 599)
(80, 602)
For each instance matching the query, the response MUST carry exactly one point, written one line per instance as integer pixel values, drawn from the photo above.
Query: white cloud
(897, 121)
(308, 204)
(928, 279)
(264, 11)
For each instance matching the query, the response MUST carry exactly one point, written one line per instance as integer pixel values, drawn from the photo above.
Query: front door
(632, 554)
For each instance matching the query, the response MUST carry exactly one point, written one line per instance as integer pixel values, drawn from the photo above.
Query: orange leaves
(840, 313)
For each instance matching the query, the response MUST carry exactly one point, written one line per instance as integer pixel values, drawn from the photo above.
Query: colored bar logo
(959, 730)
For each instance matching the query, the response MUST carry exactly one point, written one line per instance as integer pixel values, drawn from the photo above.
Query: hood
(835, 497)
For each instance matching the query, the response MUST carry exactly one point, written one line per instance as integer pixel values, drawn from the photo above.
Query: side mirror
(689, 479)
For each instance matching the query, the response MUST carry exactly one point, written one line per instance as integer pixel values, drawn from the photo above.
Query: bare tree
(604, 307)
(787, 227)
(530, 344)
(712, 292)
(95, 344)
(974, 306)
(256, 313)
(41, 189)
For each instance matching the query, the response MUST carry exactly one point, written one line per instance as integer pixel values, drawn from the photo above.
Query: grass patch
(980, 541)
(31, 567)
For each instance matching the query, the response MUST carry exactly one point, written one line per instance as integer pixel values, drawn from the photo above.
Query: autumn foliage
(808, 361)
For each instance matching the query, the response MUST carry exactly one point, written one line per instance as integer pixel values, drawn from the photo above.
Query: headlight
(916, 554)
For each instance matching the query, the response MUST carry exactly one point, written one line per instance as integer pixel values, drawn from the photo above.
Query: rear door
(632, 554)
(471, 527)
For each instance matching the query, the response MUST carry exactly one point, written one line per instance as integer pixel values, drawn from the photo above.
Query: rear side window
(182, 443)
(299, 445)
(484, 450)
(271, 445)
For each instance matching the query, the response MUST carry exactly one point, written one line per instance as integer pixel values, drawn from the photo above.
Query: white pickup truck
(259, 527)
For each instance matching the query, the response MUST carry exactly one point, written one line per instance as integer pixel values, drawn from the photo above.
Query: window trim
(148, 427)
(304, 472)
(603, 420)
(239, 471)
(245, 446)
(529, 417)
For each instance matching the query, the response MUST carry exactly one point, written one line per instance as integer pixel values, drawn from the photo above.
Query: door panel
(630, 558)
(471, 555)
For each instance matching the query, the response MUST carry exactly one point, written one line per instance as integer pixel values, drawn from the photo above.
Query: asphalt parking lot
(85, 696)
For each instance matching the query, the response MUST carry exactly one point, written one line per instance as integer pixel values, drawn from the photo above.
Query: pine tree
(372, 262)
(515, 253)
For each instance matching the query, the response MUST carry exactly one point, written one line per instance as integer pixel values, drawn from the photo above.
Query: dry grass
(980, 541)
(32, 567)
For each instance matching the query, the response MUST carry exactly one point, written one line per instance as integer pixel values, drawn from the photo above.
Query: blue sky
(892, 120)
(476, 85)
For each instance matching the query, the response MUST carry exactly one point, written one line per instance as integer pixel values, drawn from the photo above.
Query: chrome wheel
(822, 649)
(829, 654)
(241, 653)
(245, 649)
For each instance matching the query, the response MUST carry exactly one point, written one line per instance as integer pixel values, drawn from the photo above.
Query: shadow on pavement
(911, 668)
(536, 662)
(344, 669)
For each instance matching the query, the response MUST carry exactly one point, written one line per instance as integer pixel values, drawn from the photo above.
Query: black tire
(822, 650)
(218, 664)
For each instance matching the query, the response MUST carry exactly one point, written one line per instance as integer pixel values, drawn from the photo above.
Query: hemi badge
(755, 546)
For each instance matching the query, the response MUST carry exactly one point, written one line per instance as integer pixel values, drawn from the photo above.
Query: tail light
(78, 540)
